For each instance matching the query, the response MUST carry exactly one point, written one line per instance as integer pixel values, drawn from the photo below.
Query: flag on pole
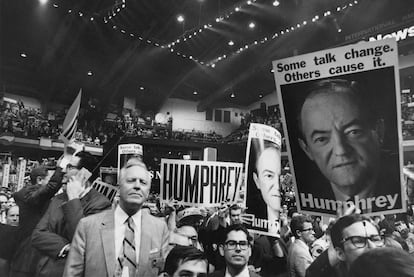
(70, 124)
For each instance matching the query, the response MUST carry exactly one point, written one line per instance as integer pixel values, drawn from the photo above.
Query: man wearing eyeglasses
(351, 236)
(299, 255)
(236, 249)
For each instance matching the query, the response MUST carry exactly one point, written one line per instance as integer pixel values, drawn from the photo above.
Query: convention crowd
(61, 226)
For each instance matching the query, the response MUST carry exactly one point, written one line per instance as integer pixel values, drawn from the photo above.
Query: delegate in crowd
(61, 226)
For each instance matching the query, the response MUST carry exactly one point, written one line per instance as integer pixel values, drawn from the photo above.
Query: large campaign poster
(262, 180)
(341, 111)
(200, 183)
(126, 152)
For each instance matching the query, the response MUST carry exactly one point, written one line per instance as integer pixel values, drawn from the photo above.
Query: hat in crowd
(38, 171)
(190, 214)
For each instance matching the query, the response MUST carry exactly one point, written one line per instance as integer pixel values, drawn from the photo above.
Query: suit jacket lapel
(108, 241)
(145, 246)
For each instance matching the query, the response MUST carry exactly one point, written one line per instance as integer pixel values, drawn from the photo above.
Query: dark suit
(222, 273)
(93, 247)
(33, 201)
(57, 226)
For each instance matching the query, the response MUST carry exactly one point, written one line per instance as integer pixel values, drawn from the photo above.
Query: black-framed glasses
(307, 229)
(361, 242)
(232, 244)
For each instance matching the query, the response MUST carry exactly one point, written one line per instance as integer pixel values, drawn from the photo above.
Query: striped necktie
(128, 256)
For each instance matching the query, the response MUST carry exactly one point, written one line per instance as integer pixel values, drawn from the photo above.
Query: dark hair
(297, 223)
(235, 227)
(338, 85)
(88, 161)
(383, 262)
(180, 254)
(344, 222)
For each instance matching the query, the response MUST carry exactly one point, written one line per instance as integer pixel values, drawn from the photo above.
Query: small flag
(70, 124)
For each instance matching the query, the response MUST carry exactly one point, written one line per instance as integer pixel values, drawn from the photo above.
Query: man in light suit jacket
(299, 256)
(100, 241)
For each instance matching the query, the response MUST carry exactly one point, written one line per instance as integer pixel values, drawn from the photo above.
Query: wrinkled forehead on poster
(266, 133)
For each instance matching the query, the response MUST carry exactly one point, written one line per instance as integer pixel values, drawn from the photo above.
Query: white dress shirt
(243, 273)
(120, 218)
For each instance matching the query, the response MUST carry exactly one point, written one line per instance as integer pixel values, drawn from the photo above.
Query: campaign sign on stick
(128, 151)
(108, 175)
(200, 183)
(341, 111)
(263, 169)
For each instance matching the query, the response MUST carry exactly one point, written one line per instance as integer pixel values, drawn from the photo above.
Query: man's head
(341, 135)
(186, 261)
(235, 214)
(3, 201)
(77, 162)
(266, 174)
(38, 176)
(190, 233)
(302, 229)
(12, 217)
(353, 235)
(134, 186)
(236, 247)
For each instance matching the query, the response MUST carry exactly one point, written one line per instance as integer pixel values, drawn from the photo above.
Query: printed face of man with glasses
(357, 239)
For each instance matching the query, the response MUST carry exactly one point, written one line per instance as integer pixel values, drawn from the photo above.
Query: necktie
(127, 257)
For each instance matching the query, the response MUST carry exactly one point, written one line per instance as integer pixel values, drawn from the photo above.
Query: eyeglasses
(232, 244)
(361, 242)
(308, 229)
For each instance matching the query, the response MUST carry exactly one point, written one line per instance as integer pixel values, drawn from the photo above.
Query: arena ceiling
(137, 48)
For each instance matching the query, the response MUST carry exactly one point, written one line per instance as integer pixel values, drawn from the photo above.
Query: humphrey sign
(200, 182)
(342, 112)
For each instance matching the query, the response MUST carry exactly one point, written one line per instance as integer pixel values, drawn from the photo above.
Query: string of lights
(108, 17)
(281, 33)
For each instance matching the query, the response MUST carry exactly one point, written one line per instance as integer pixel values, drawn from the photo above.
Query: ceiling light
(92, 19)
(80, 14)
(276, 3)
(213, 65)
(56, 5)
(249, 2)
(232, 95)
(23, 55)
(141, 88)
(43, 2)
(90, 73)
(195, 92)
(237, 9)
(180, 18)
(252, 25)
(260, 95)
(231, 43)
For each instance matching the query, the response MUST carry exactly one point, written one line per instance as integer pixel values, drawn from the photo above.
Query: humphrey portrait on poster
(344, 131)
(263, 167)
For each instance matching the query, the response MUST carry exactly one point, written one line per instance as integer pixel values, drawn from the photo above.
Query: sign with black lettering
(342, 120)
(128, 151)
(263, 169)
(200, 183)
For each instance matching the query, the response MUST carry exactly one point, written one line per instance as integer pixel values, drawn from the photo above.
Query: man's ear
(305, 148)
(221, 250)
(380, 130)
(256, 181)
(340, 253)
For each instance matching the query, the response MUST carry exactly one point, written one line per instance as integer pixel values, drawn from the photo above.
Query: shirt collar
(343, 197)
(121, 216)
(243, 273)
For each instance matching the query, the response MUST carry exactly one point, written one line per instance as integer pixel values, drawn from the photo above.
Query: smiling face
(135, 184)
(340, 141)
(268, 169)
